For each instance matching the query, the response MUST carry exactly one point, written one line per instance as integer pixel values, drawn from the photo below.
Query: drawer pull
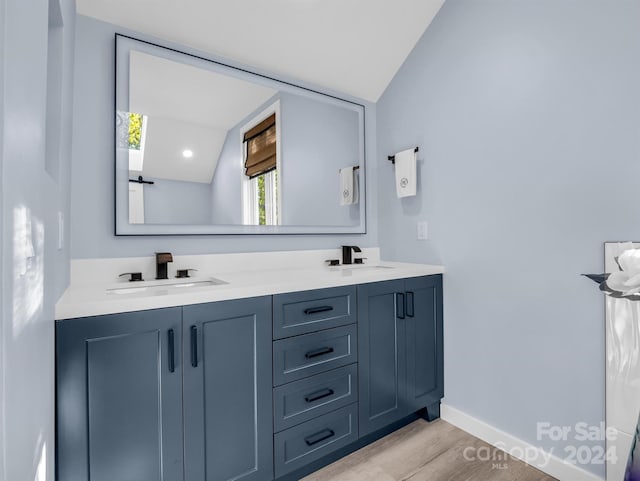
(319, 352)
(318, 395)
(319, 437)
(316, 310)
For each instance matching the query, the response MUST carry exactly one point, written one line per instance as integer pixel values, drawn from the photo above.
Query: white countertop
(90, 299)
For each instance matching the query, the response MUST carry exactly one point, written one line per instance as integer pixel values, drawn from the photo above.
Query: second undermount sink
(167, 287)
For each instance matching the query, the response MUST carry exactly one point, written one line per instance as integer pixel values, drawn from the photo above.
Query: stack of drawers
(315, 375)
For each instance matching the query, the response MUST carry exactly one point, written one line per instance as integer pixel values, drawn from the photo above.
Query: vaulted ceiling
(187, 108)
(351, 46)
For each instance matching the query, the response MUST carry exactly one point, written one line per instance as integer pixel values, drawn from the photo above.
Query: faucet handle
(333, 262)
(134, 276)
(182, 273)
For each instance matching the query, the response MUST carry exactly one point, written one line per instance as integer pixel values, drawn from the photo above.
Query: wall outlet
(422, 230)
(60, 231)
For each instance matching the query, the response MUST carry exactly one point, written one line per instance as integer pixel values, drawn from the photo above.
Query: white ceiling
(187, 108)
(166, 140)
(352, 46)
(163, 88)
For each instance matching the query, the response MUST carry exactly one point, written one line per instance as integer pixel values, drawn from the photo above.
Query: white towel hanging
(405, 163)
(348, 186)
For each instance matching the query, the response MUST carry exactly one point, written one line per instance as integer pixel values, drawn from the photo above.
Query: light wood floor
(425, 451)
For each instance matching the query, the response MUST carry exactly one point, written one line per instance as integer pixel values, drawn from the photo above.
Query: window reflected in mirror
(260, 149)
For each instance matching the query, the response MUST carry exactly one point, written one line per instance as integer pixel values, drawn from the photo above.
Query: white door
(136, 203)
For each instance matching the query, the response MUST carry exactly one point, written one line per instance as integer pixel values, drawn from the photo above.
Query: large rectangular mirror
(205, 148)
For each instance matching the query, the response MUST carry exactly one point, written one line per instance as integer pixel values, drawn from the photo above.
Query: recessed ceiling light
(187, 154)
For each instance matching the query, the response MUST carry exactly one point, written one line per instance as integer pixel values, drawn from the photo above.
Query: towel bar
(355, 167)
(392, 158)
(140, 180)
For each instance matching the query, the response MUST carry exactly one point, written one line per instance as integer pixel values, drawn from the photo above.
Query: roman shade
(261, 148)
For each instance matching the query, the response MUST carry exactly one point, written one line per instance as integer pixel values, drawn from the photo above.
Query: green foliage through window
(262, 207)
(135, 130)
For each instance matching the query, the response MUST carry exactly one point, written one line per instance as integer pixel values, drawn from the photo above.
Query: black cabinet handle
(410, 304)
(319, 352)
(319, 437)
(194, 346)
(172, 360)
(316, 310)
(400, 305)
(318, 395)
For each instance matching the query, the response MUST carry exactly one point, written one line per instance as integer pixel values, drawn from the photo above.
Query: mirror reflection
(204, 147)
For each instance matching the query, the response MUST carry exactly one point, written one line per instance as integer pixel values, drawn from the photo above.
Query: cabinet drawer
(300, 401)
(302, 356)
(302, 312)
(314, 439)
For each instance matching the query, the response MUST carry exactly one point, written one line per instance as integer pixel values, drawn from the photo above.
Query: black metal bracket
(392, 158)
(140, 180)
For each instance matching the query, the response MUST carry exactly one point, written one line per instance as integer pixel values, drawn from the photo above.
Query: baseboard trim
(549, 464)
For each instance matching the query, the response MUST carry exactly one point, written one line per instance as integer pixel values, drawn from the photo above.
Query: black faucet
(162, 258)
(346, 253)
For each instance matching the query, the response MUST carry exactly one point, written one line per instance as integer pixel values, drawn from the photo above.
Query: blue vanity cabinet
(228, 430)
(119, 397)
(382, 356)
(423, 319)
(400, 350)
(251, 389)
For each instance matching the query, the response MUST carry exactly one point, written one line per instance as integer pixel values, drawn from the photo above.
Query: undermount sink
(160, 287)
(353, 268)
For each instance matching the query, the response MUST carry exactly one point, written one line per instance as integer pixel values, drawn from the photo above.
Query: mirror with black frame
(206, 148)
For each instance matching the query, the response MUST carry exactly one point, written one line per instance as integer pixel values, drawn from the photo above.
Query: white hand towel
(406, 173)
(348, 186)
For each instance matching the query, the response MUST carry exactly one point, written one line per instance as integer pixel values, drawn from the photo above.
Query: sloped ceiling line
(350, 46)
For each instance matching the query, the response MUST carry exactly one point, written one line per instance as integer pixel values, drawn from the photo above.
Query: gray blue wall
(31, 198)
(176, 202)
(226, 191)
(92, 217)
(311, 160)
(527, 115)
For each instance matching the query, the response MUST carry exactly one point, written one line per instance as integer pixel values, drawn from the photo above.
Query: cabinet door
(119, 397)
(382, 355)
(424, 341)
(227, 391)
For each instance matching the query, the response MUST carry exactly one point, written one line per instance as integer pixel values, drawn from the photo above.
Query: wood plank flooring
(423, 451)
